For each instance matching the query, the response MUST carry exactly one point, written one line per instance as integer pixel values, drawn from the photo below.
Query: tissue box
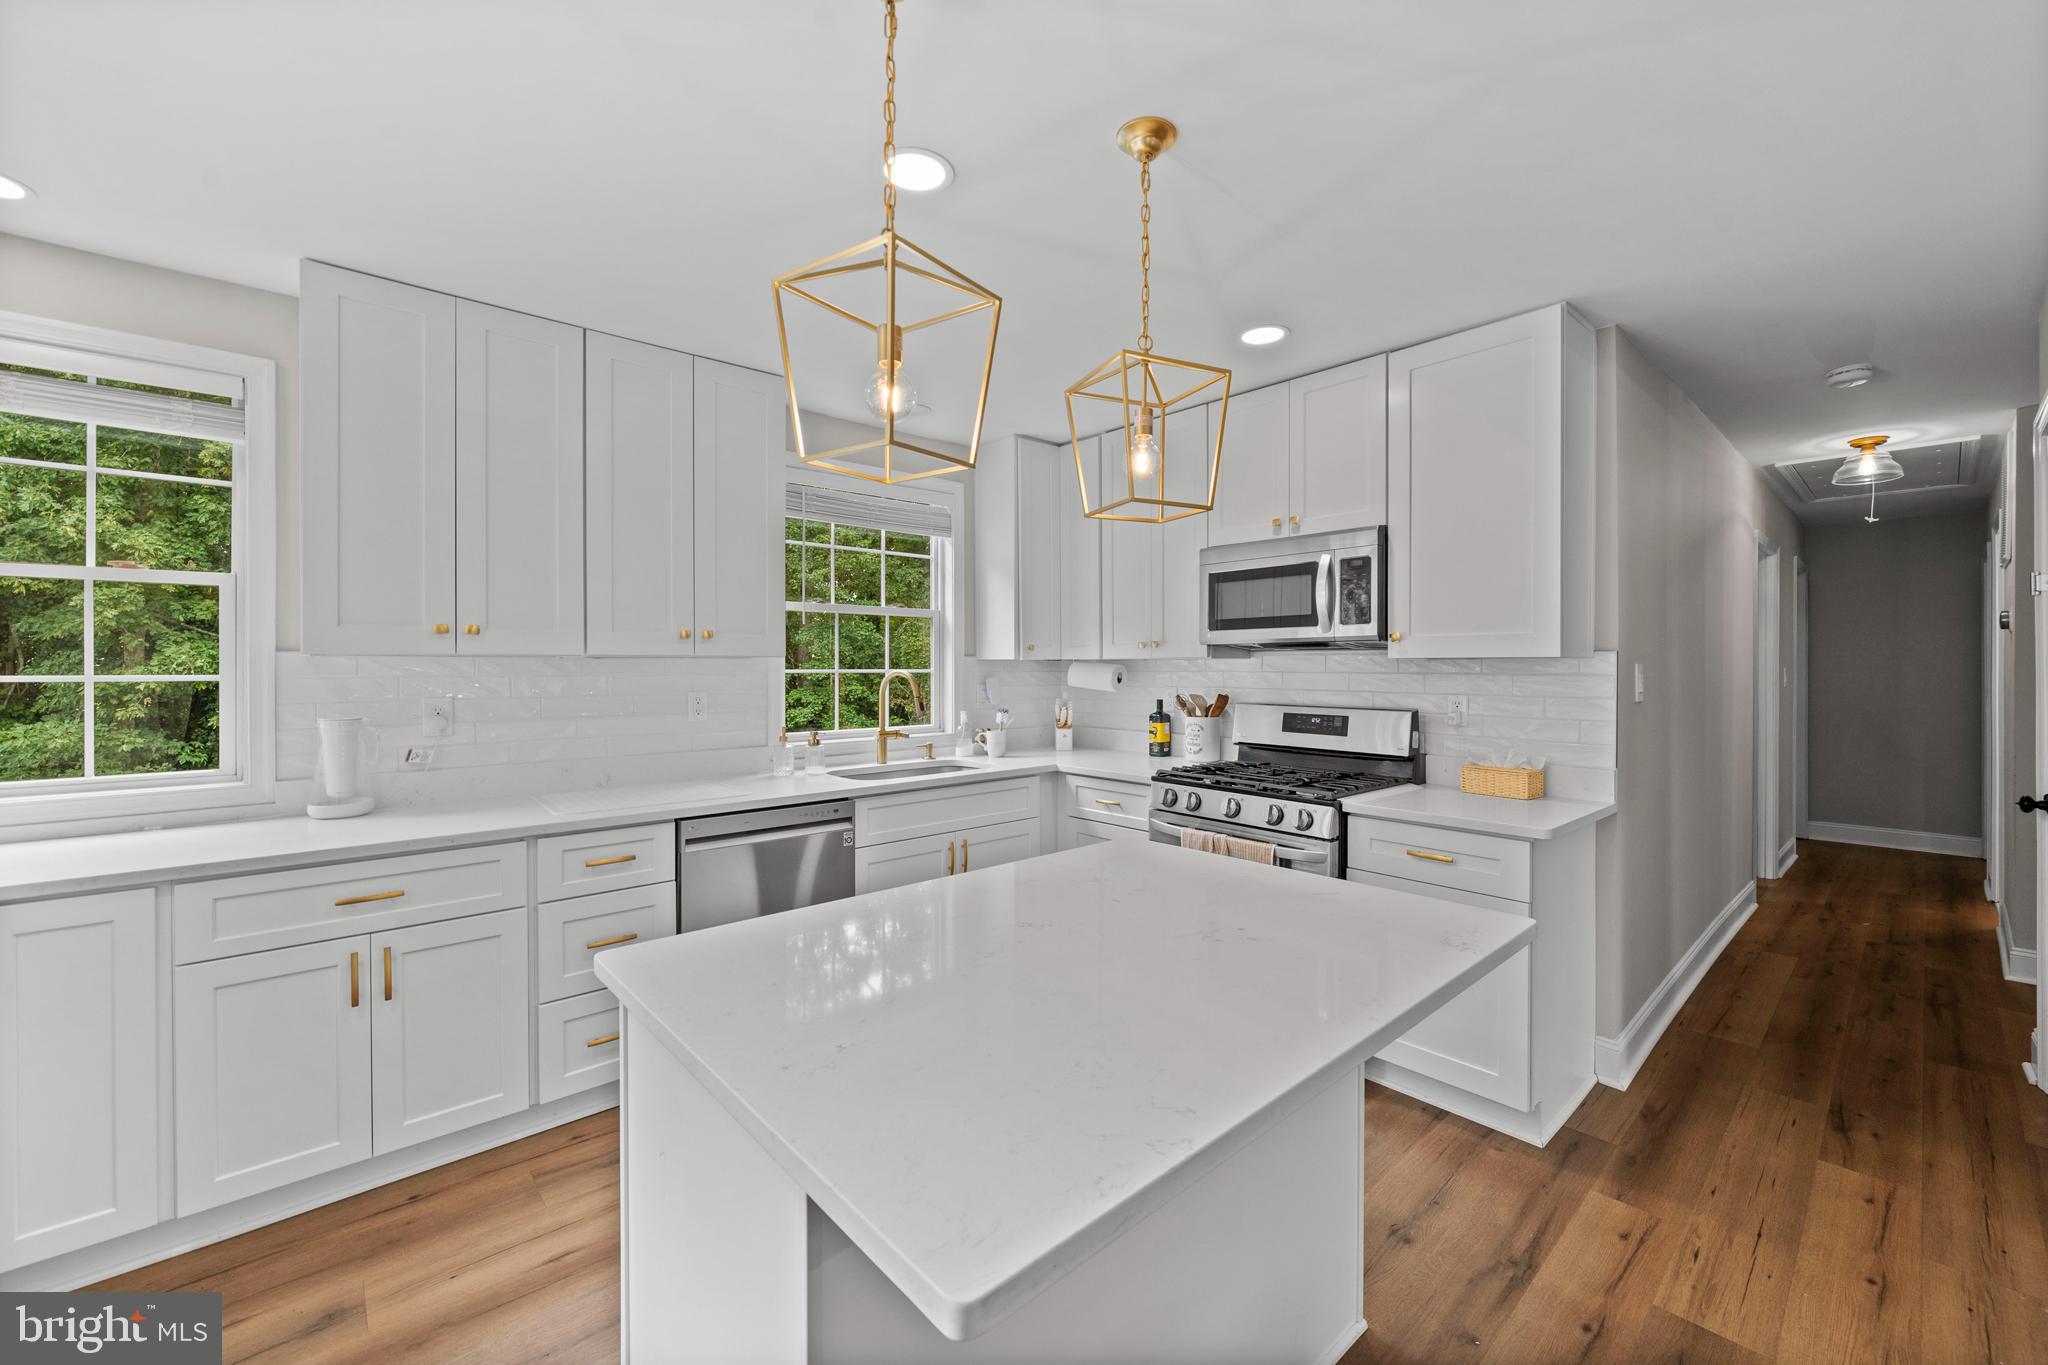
(1519, 784)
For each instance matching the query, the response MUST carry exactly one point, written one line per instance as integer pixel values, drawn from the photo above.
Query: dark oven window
(1354, 591)
(1267, 598)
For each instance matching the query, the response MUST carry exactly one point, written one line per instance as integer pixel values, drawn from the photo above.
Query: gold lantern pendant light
(1145, 388)
(893, 289)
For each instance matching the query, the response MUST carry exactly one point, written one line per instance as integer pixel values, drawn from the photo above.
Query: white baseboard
(2017, 963)
(1917, 841)
(1787, 856)
(1616, 1060)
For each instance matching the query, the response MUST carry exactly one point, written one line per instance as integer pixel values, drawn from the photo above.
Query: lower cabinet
(301, 1060)
(78, 1073)
(579, 1044)
(1478, 1042)
(878, 867)
(1080, 833)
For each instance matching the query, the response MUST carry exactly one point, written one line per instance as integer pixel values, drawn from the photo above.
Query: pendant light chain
(1145, 255)
(889, 117)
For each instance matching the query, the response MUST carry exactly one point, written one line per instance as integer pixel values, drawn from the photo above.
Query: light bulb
(888, 395)
(1144, 454)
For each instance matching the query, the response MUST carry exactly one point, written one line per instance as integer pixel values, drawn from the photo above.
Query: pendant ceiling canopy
(1867, 466)
(895, 347)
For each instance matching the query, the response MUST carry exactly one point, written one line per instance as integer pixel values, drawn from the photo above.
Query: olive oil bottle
(1159, 734)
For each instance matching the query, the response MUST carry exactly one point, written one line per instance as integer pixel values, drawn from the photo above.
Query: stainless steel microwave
(1299, 592)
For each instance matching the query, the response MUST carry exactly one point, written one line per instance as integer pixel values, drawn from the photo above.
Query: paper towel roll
(1096, 677)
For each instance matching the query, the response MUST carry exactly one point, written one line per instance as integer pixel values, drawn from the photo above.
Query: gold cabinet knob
(682, 635)
(1394, 635)
(1029, 649)
(440, 628)
(1155, 644)
(1294, 521)
(473, 630)
(1276, 521)
(707, 632)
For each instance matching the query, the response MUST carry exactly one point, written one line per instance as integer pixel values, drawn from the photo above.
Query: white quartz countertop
(1546, 817)
(984, 1079)
(94, 862)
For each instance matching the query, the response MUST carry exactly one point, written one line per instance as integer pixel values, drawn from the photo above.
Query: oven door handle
(1326, 592)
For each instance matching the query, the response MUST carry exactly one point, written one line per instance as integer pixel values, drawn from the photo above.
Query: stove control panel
(1313, 819)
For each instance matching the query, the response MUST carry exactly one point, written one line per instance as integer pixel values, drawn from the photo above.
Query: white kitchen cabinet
(377, 459)
(1022, 487)
(273, 1069)
(1490, 491)
(518, 483)
(1151, 572)
(448, 1027)
(878, 867)
(1081, 833)
(1305, 457)
(1251, 481)
(640, 475)
(1080, 552)
(78, 1073)
(579, 1044)
(742, 436)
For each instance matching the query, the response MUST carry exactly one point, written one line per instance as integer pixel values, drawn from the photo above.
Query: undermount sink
(914, 768)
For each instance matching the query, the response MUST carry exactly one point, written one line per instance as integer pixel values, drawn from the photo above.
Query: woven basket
(1519, 784)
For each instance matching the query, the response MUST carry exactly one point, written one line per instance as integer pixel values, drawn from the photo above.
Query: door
(994, 845)
(1180, 543)
(1038, 512)
(1337, 420)
(1080, 559)
(448, 1032)
(879, 867)
(1130, 588)
(273, 1069)
(78, 1073)
(2034, 423)
(518, 483)
(738, 876)
(1474, 492)
(742, 435)
(1479, 1041)
(640, 477)
(377, 430)
(1251, 481)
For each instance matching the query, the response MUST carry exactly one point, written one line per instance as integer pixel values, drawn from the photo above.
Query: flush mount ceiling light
(1867, 466)
(10, 188)
(920, 171)
(1264, 335)
(1147, 389)
(1851, 376)
(852, 312)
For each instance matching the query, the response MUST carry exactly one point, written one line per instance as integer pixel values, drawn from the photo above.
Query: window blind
(39, 396)
(904, 515)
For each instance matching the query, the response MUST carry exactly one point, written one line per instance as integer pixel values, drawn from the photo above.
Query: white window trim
(252, 606)
(947, 636)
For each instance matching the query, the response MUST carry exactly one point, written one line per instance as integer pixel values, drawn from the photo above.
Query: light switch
(1639, 682)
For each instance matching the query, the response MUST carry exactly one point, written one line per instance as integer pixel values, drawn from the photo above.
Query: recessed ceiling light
(918, 170)
(11, 188)
(1263, 336)
(1851, 376)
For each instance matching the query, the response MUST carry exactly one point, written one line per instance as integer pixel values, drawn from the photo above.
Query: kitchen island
(1099, 1106)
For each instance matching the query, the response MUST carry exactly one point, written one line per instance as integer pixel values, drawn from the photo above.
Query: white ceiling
(1941, 479)
(1758, 190)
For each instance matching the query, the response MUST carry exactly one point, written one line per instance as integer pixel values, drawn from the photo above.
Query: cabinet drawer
(579, 1044)
(1484, 863)
(233, 915)
(573, 932)
(1081, 832)
(578, 864)
(1117, 803)
(944, 810)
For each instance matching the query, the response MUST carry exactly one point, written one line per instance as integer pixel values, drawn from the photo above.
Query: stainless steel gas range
(1294, 765)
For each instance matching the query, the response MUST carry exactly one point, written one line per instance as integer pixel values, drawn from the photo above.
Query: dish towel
(1229, 845)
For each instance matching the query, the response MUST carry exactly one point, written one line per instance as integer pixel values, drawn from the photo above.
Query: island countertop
(985, 1079)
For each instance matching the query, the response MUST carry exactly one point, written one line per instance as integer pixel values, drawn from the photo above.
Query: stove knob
(1169, 797)
(1194, 801)
(1274, 815)
(1304, 820)
(1231, 807)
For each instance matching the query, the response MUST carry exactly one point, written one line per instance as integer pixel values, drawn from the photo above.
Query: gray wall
(2022, 831)
(1897, 689)
(1688, 508)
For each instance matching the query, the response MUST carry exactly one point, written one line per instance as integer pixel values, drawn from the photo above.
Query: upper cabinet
(1151, 585)
(1490, 491)
(1081, 549)
(448, 447)
(1018, 488)
(518, 483)
(1305, 457)
(377, 445)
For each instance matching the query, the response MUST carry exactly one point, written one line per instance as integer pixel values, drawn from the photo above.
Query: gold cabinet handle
(1432, 857)
(949, 857)
(373, 896)
(1294, 521)
(963, 855)
(608, 942)
(682, 635)
(707, 632)
(600, 1042)
(440, 628)
(387, 973)
(1103, 801)
(355, 980)
(1276, 521)
(1394, 635)
(607, 862)
(473, 630)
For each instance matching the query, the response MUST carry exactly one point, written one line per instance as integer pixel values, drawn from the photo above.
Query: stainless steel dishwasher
(760, 862)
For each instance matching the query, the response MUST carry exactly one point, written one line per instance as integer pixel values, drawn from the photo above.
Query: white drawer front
(1484, 863)
(1118, 803)
(233, 915)
(574, 932)
(604, 859)
(579, 1044)
(944, 810)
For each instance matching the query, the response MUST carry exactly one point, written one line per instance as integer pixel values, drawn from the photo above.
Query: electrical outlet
(700, 706)
(1457, 707)
(418, 758)
(437, 717)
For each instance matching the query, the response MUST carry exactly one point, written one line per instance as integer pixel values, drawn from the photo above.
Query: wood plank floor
(1831, 1156)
